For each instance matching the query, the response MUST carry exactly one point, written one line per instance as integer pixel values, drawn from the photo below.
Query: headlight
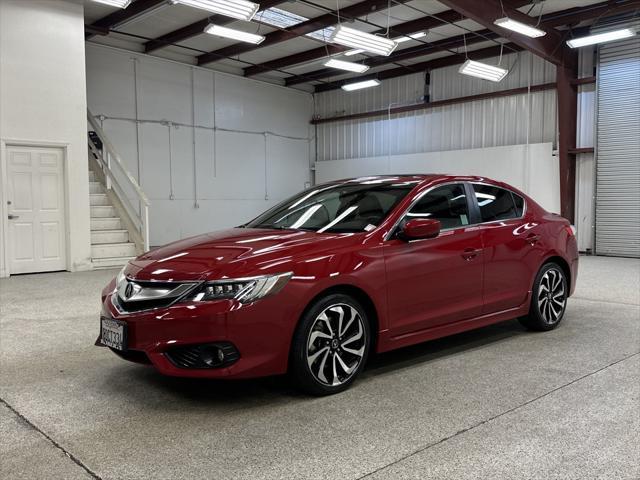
(245, 290)
(120, 277)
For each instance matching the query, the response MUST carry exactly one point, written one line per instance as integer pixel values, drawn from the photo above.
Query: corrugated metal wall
(618, 154)
(485, 123)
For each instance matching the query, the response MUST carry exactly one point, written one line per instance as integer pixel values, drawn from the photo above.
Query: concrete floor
(498, 402)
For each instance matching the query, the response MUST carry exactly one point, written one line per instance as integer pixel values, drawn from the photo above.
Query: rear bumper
(261, 333)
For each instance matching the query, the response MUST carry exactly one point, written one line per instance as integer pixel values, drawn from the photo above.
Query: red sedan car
(315, 284)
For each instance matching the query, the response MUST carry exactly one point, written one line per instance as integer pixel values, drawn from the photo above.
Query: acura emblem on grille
(128, 291)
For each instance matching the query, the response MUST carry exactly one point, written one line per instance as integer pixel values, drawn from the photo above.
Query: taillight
(571, 230)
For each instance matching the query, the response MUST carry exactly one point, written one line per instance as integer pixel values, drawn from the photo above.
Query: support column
(567, 124)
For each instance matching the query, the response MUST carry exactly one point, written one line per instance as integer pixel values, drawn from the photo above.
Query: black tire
(548, 299)
(308, 351)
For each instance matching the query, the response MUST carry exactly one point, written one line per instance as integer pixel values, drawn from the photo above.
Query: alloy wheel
(336, 344)
(552, 296)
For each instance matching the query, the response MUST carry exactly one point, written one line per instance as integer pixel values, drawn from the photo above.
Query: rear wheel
(548, 300)
(330, 346)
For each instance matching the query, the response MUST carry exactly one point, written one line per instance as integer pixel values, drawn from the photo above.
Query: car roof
(414, 178)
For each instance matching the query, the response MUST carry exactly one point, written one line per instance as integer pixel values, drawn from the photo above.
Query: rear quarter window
(496, 203)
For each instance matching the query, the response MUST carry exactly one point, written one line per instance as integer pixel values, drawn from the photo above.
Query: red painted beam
(120, 16)
(439, 103)
(549, 47)
(455, 42)
(197, 28)
(398, 56)
(479, 54)
(576, 15)
(358, 10)
(567, 124)
(406, 28)
(578, 151)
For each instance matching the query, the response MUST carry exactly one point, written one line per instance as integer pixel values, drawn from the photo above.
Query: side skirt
(391, 343)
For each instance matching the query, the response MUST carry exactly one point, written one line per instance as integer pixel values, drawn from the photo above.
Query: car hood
(232, 253)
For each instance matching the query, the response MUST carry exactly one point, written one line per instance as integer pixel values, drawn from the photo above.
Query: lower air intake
(210, 355)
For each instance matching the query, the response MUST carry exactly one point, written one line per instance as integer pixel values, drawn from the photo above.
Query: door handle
(470, 253)
(13, 217)
(533, 239)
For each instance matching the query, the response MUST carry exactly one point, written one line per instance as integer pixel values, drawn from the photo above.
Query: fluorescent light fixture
(240, 9)
(115, 3)
(348, 66)
(482, 70)
(351, 53)
(519, 27)
(239, 35)
(349, 87)
(413, 36)
(350, 37)
(601, 37)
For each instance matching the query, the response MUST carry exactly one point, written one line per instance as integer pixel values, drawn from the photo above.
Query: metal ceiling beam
(576, 15)
(479, 54)
(564, 17)
(550, 46)
(197, 28)
(398, 56)
(118, 17)
(311, 25)
(406, 28)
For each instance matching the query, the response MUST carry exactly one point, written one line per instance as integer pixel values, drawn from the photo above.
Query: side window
(448, 204)
(495, 203)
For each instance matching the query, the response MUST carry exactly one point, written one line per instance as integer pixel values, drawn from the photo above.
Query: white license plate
(113, 333)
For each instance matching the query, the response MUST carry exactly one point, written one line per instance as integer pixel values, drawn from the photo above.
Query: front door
(435, 281)
(35, 206)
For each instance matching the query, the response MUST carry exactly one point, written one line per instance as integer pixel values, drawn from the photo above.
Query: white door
(35, 194)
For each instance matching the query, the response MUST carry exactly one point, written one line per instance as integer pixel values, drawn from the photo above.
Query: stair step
(95, 187)
(109, 262)
(105, 224)
(111, 250)
(109, 236)
(96, 199)
(92, 176)
(103, 211)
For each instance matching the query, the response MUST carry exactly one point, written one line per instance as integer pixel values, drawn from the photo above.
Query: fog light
(210, 355)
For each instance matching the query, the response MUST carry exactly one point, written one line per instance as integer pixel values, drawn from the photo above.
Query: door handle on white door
(13, 217)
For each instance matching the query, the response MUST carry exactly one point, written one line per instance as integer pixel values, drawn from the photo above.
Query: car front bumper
(260, 333)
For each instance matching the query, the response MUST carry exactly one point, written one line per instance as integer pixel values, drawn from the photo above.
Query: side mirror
(420, 228)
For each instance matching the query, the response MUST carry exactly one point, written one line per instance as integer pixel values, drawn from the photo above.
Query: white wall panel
(42, 102)
(208, 157)
(492, 122)
(533, 168)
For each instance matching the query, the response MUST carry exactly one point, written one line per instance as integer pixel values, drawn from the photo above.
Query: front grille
(142, 304)
(136, 295)
(210, 355)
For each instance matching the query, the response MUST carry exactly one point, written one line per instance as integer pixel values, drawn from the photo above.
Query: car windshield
(344, 208)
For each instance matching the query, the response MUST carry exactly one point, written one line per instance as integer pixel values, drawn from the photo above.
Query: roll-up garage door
(618, 150)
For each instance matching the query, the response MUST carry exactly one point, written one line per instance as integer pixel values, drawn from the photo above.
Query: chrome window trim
(389, 234)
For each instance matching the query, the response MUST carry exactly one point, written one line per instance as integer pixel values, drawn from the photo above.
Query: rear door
(435, 281)
(510, 247)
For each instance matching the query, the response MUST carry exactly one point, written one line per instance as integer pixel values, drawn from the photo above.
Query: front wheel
(330, 346)
(548, 300)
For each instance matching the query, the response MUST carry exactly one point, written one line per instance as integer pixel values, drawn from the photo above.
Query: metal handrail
(141, 219)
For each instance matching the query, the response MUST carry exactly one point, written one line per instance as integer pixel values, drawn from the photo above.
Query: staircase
(110, 243)
(119, 206)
